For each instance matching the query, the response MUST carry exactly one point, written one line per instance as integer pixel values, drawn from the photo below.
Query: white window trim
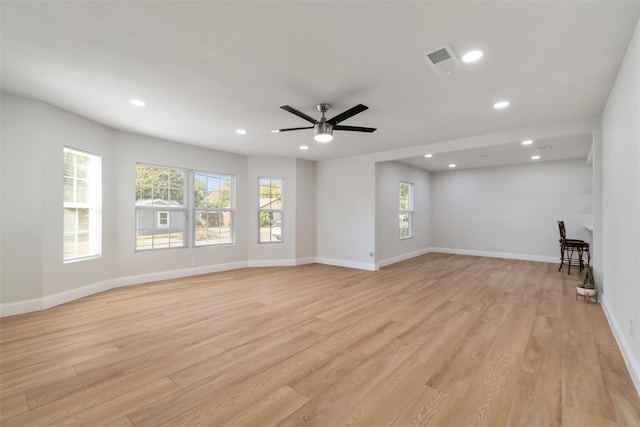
(280, 211)
(231, 209)
(94, 205)
(408, 211)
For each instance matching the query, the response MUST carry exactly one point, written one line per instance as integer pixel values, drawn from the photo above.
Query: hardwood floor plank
(537, 402)
(429, 407)
(439, 339)
(388, 401)
(616, 377)
(12, 406)
(331, 370)
(572, 417)
(270, 410)
(489, 397)
(201, 392)
(108, 413)
(232, 401)
(334, 404)
(583, 385)
(544, 350)
(464, 361)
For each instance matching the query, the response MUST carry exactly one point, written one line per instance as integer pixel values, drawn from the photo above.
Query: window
(270, 218)
(406, 210)
(82, 205)
(213, 208)
(160, 207)
(163, 219)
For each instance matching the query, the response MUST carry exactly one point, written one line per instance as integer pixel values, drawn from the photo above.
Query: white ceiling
(208, 68)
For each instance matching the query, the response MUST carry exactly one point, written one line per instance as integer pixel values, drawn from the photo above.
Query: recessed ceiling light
(452, 165)
(428, 156)
(137, 102)
(472, 56)
(241, 131)
(501, 104)
(527, 142)
(535, 157)
(304, 147)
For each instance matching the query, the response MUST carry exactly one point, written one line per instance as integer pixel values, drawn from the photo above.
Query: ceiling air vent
(443, 60)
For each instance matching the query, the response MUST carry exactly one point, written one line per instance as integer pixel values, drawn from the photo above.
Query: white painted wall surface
(345, 212)
(389, 247)
(621, 207)
(305, 232)
(511, 211)
(33, 136)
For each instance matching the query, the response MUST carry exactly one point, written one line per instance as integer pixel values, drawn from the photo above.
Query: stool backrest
(563, 233)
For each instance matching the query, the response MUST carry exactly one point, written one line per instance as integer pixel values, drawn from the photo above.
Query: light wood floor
(442, 340)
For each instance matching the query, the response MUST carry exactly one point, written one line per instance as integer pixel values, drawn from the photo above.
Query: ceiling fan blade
(353, 128)
(288, 129)
(299, 114)
(349, 113)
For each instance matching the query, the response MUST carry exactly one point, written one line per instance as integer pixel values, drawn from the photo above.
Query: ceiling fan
(324, 128)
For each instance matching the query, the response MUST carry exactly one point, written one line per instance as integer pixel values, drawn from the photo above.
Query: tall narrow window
(406, 210)
(160, 207)
(213, 201)
(82, 204)
(270, 214)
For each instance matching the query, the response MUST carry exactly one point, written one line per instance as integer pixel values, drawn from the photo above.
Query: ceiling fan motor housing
(323, 108)
(323, 128)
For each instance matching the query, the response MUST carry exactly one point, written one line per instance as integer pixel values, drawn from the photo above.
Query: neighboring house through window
(82, 205)
(160, 207)
(270, 210)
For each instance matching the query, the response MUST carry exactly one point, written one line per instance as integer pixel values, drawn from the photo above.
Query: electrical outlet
(370, 254)
(194, 262)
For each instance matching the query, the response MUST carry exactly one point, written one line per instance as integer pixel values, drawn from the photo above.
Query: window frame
(230, 210)
(405, 213)
(93, 205)
(184, 208)
(270, 211)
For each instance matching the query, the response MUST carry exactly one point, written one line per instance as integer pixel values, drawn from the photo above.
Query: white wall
(511, 211)
(32, 273)
(389, 247)
(33, 136)
(345, 217)
(621, 207)
(305, 211)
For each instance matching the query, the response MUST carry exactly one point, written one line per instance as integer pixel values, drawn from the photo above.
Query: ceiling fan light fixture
(324, 132)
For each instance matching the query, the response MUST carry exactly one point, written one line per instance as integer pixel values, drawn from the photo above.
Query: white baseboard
(349, 264)
(272, 263)
(625, 346)
(505, 255)
(403, 257)
(37, 304)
